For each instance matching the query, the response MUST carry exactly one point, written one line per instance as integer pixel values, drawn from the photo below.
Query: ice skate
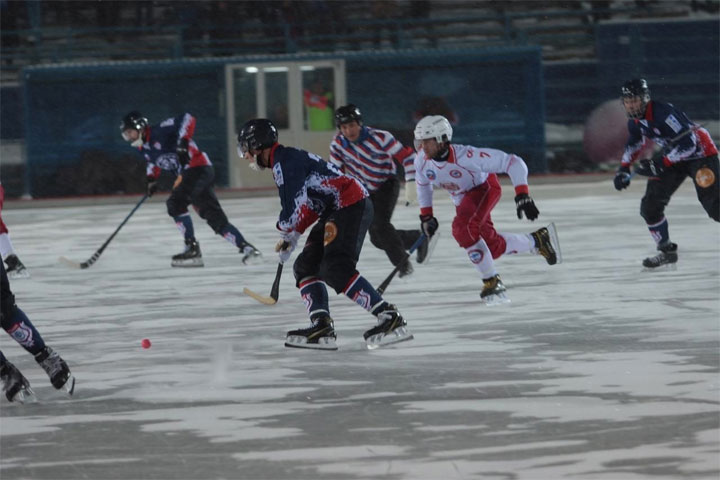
(424, 251)
(547, 244)
(391, 328)
(250, 254)
(493, 292)
(405, 268)
(57, 370)
(191, 257)
(15, 268)
(320, 336)
(15, 385)
(665, 260)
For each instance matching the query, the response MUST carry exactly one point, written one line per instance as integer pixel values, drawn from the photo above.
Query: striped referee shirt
(372, 158)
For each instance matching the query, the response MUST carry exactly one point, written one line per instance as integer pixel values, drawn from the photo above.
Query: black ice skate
(191, 257)
(15, 268)
(250, 254)
(391, 328)
(665, 260)
(57, 370)
(320, 336)
(424, 251)
(15, 385)
(493, 292)
(547, 244)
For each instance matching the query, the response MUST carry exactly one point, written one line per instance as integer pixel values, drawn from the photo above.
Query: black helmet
(346, 114)
(256, 134)
(637, 87)
(133, 120)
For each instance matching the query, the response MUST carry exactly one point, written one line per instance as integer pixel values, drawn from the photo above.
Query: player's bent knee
(336, 277)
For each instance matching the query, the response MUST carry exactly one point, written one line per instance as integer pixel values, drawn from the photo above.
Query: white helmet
(433, 126)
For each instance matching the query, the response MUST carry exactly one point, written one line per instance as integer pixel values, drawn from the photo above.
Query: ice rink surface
(596, 370)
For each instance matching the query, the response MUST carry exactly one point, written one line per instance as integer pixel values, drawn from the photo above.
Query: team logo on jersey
(277, 175)
(331, 232)
(430, 174)
(476, 256)
(704, 177)
(166, 161)
(455, 173)
(673, 123)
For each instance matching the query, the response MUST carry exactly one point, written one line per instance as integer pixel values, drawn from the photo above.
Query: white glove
(410, 192)
(286, 245)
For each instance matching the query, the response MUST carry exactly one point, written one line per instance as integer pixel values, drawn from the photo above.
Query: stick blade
(66, 261)
(260, 298)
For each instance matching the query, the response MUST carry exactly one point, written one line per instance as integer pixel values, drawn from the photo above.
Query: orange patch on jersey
(331, 232)
(704, 177)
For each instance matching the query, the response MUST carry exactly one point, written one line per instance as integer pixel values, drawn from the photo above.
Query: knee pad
(215, 218)
(301, 270)
(376, 237)
(652, 213)
(174, 208)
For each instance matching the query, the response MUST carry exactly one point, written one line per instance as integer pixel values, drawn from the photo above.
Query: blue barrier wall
(679, 59)
(73, 112)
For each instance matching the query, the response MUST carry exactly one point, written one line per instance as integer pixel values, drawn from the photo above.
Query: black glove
(651, 167)
(525, 203)
(428, 225)
(152, 186)
(622, 178)
(182, 152)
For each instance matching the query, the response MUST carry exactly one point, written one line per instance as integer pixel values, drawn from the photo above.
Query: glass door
(300, 98)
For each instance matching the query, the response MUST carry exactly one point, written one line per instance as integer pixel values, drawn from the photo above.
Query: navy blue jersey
(309, 187)
(661, 124)
(160, 143)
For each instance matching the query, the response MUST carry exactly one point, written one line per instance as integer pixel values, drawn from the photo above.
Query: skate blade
(253, 260)
(25, 395)
(21, 274)
(400, 334)
(69, 386)
(194, 262)
(555, 242)
(668, 267)
(494, 300)
(431, 247)
(323, 343)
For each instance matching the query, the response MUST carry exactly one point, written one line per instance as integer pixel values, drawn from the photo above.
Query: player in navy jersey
(169, 146)
(369, 155)
(687, 150)
(14, 321)
(315, 193)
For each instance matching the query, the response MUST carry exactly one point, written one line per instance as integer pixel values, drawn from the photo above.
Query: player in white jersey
(15, 268)
(469, 174)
